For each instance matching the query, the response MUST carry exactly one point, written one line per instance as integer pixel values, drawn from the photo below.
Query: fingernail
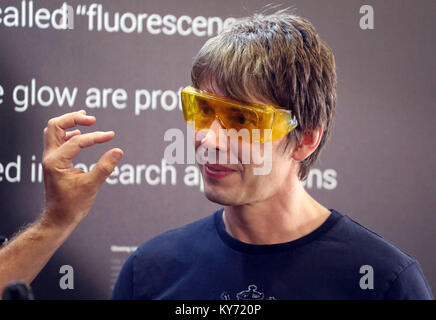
(82, 111)
(116, 155)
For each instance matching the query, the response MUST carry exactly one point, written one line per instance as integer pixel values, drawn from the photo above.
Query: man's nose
(215, 137)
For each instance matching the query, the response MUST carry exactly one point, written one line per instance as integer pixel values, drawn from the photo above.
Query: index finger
(55, 133)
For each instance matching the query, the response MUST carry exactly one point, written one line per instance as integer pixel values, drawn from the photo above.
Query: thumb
(105, 165)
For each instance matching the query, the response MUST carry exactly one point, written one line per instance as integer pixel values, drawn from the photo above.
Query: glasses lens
(243, 122)
(197, 110)
(205, 114)
(240, 118)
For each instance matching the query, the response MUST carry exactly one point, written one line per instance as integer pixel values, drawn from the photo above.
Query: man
(271, 240)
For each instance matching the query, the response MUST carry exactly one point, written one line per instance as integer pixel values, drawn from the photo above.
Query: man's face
(238, 181)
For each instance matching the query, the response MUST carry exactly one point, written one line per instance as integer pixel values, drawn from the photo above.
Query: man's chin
(222, 199)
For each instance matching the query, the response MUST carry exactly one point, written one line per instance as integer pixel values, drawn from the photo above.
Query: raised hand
(70, 192)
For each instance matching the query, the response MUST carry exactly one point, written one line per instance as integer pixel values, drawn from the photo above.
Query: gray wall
(381, 153)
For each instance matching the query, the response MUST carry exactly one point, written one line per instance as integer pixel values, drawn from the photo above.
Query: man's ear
(308, 144)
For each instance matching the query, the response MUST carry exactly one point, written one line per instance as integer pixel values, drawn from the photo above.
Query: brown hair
(275, 58)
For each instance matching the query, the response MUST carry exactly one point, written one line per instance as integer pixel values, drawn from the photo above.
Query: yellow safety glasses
(264, 123)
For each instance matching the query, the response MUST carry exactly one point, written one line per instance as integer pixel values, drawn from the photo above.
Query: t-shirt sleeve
(410, 284)
(123, 289)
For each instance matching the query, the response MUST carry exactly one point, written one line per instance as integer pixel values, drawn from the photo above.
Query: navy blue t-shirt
(339, 260)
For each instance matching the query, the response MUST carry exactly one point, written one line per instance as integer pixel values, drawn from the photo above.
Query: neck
(284, 217)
